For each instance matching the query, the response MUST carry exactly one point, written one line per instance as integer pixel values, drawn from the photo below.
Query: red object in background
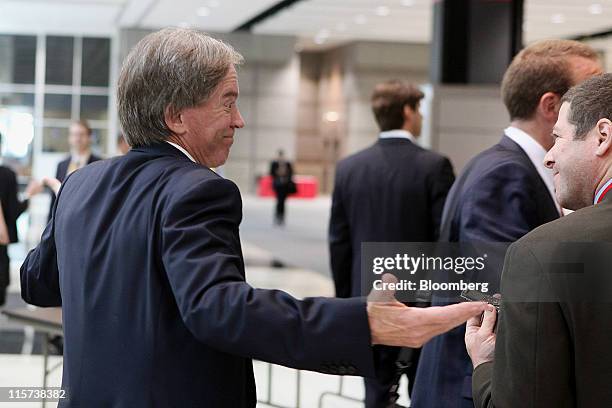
(307, 187)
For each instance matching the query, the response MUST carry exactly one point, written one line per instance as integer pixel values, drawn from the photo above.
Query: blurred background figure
(281, 171)
(79, 140)
(11, 208)
(392, 191)
(122, 146)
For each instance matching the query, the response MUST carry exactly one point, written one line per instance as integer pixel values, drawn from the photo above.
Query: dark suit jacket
(143, 253)
(60, 174)
(554, 352)
(393, 191)
(281, 183)
(499, 197)
(11, 206)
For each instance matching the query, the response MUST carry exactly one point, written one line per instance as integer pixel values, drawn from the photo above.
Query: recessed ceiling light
(407, 3)
(361, 19)
(331, 116)
(203, 11)
(595, 8)
(320, 40)
(341, 27)
(184, 24)
(557, 19)
(323, 33)
(382, 11)
(213, 3)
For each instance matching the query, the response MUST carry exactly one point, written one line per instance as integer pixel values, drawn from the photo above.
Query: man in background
(503, 193)
(281, 171)
(11, 208)
(552, 347)
(79, 140)
(392, 191)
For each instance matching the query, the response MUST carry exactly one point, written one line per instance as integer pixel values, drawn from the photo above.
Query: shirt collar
(397, 133)
(80, 158)
(602, 192)
(536, 154)
(182, 151)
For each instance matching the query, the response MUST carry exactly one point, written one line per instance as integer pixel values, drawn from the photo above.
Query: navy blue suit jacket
(393, 191)
(499, 197)
(143, 254)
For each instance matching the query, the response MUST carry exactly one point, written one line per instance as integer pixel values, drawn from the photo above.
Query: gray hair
(174, 67)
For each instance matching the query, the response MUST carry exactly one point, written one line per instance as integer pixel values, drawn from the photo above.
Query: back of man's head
(588, 103)
(388, 101)
(175, 68)
(545, 66)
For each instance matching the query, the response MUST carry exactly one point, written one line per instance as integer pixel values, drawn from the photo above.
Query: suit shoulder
(355, 158)
(585, 225)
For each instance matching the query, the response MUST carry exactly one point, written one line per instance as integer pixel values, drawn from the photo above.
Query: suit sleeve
(40, 273)
(500, 208)
(440, 183)
(15, 207)
(340, 248)
(533, 353)
(200, 249)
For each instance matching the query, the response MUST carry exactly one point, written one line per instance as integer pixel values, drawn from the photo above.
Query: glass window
(17, 59)
(55, 139)
(94, 107)
(60, 51)
(96, 62)
(17, 125)
(58, 106)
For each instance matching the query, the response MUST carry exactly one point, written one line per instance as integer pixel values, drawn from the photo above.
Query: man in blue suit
(143, 254)
(502, 194)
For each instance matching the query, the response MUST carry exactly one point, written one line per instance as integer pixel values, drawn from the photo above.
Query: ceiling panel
(74, 16)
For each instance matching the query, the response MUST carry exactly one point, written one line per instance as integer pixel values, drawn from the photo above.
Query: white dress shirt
(185, 152)
(536, 154)
(397, 133)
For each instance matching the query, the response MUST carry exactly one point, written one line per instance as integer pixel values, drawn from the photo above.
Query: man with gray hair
(156, 309)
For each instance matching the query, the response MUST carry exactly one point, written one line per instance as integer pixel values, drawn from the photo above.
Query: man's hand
(33, 188)
(394, 324)
(480, 338)
(53, 183)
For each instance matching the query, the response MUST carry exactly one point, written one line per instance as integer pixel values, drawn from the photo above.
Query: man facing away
(147, 265)
(392, 191)
(552, 347)
(502, 194)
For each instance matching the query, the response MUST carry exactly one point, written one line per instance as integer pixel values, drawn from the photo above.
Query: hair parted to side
(589, 102)
(540, 68)
(174, 67)
(84, 124)
(389, 99)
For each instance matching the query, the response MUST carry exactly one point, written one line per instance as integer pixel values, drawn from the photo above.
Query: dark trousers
(377, 390)
(5, 273)
(279, 213)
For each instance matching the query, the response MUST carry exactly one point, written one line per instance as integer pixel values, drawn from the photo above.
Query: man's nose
(238, 121)
(549, 160)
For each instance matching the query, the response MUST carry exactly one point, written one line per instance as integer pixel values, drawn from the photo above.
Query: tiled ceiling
(314, 21)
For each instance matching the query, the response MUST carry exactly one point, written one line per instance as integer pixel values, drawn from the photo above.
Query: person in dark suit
(551, 348)
(281, 171)
(147, 265)
(79, 139)
(12, 208)
(393, 191)
(502, 194)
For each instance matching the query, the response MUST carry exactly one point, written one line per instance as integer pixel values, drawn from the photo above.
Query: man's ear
(549, 106)
(603, 133)
(408, 114)
(174, 120)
